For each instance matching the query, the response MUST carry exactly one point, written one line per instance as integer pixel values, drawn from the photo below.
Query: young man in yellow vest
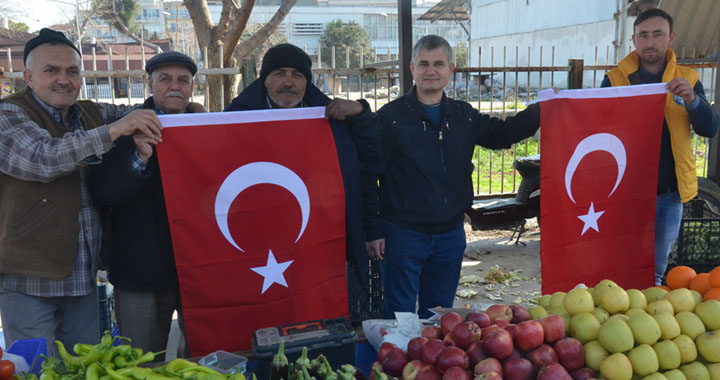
(652, 62)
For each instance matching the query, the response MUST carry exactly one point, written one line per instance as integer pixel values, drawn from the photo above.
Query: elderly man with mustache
(141, 263)
(285, 82)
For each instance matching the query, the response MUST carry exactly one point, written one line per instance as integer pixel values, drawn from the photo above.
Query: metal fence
(499, 89)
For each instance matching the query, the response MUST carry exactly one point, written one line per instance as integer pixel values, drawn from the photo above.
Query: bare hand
(375, 249)
(682, 88)
(197, 107)
(144, 146)
(341, 109)
(142, 121)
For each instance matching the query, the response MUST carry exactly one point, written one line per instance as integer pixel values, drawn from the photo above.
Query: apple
(557, 299)
(570, 353)
(542, 356)
(644, 360)
(544, 300)
(616, 367)
(695, 371)
(584, 327)
(449, 320)
(553, 327)
(637, 299)
(448, 340)
(488, 365)
(708, 312)
(455, 373)
(475, 353)
(465, 334)
(669, 327)
(502, 323)
(414, 347)
(675, 374)
(498, 344)
(537, 312)
(600, 288)
(615, 300)
(682, 299)
(432, 332)
(687, 347)
(411, 369)
(578, 300)
(594, 353)
(517, 353)
(657, 306)
(554, 371)
(584, 373)
(490, 329)
(528, 335)
(714, 369)
(517, 369)
(499, 311)
(654, 376)
(428, 372)
(690, 324)
(519, 314)
(430, 351)
(708, 345)
(488, 376)
(616, 336)
(601, 314)
(383, 350)
(511, 329)
(668, 354)
(654, 293)
(480, 318)
(394, 362)
(452, 356)
(645, 328)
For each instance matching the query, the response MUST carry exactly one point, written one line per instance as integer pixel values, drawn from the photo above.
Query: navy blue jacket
(357, 150)
(425, 169)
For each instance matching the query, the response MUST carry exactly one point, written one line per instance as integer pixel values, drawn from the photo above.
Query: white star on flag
(272, 272)
(590, 219)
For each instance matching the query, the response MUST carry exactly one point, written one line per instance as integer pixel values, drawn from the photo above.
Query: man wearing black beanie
(286, 82)
(49, 227)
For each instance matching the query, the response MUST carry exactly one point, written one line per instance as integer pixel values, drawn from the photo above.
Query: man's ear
(150, 82)
(27, 75)
(672, 38)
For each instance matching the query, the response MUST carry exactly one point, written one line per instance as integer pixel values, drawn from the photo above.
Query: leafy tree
(461, 55)
(18, 26)
(341, 36)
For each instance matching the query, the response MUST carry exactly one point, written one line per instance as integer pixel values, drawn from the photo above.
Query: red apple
(488, 365)
(488, 376)
(502, 323)
(430, 351)
(571, 353)
(554, 371)
(448, 321)
(498, 345)
(542, 356)
(529, 335)
(432, 332)
(517, 353)
(475, 353)
(465, 334)
(511, 329)
(414, 346)
(517, 369)
(428, 372)
(490, 329)
(455, 373)
(553, 326)
(383, 350)
(499, 311)
(520, 314)
(411, 369)
(449, 341)
(584, 373)
(452, 356)
(394, 362)
(480, 318)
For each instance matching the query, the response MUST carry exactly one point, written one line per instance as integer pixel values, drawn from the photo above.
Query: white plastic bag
(398, 331)
(21, 365)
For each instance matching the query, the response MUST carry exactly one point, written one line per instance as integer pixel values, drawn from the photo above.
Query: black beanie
(170, 58)
(47, 36)
(286, 55)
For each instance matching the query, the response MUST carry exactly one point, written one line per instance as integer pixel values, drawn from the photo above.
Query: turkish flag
(256, 207)
(600, 151)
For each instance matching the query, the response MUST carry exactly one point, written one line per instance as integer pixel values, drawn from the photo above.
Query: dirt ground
(496, 270)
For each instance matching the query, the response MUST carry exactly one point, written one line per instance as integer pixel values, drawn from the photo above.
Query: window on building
(380, 26)
(307, 28)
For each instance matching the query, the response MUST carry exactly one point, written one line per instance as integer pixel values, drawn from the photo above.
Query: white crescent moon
(597, 142)
(256, 173)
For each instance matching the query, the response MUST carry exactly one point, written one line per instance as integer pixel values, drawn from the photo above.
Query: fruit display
(7, 368)
(603, 332)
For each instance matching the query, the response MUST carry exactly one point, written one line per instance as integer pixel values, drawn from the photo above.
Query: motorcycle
(510, 213)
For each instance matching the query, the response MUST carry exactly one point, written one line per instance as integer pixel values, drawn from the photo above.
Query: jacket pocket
(34, 218)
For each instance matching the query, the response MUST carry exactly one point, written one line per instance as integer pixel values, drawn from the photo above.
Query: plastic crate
(106, 308)
(30, 349)
(698, 245)
(366, 300)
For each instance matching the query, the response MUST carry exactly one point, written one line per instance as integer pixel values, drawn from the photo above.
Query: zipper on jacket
(424, 126)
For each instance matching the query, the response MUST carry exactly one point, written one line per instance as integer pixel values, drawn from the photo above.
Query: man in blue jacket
(427, 142)
(285, 82)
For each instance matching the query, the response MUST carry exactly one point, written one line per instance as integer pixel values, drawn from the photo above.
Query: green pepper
(176, 365)
(48, 374)
(329, 374)
(66, 356)
(345, 375)
(306, 374)
(114, 375)
(104, 377)
(92, 372)
(147, 374)
(82, 348)
(148, 357)
(237, 376)
(120, 362)
(380, 375)
(200, 369)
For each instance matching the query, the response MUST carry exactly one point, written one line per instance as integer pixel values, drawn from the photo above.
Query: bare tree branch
(247, 46)
(241, 18)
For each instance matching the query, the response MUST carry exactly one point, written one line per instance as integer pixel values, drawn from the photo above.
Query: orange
(679, 277)
(701, 283)
(712, 294)
(663, 287)
(715, 277)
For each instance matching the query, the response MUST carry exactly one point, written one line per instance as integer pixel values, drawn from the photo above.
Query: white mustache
(288, 90)
(174, 93)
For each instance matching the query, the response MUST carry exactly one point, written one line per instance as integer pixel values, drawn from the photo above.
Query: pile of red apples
(500, 343)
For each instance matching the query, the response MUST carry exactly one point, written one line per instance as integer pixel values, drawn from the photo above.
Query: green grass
(501, 176)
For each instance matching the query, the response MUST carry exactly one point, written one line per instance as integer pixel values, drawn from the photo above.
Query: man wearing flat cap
(50, 234)
(141, 263)
(286, 82)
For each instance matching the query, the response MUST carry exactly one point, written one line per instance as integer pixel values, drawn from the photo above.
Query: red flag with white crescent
(600, 151)
(256, 207)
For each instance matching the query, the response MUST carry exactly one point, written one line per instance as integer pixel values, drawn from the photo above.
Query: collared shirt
(28, 152)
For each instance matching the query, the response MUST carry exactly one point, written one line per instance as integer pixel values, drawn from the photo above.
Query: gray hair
(31, 56)
(432, 42)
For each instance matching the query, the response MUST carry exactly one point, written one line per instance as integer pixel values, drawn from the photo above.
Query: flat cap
(170, 58)
(47, 36)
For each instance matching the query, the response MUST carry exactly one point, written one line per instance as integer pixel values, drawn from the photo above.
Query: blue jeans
(668, 216)
(422, 267)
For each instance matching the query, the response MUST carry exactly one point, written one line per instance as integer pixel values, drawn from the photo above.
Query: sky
(40, 13)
